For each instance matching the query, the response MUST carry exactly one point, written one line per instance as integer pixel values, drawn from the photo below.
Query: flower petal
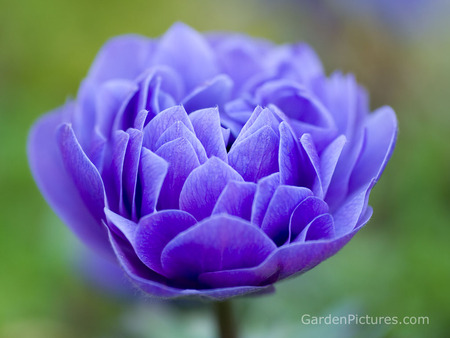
(213, 93)
(236, 199)
(121, 225)
(83, 173)
(109, 99)
(112, 174)
(241, 57)
(304, 213)
(123, 57)
(96, 150)
(218, 243)
(206, 123)
(147, 97)
(155, 231)
(306, 114)
(83, 118)
(182, 160)
(345, 100)
(256, 156)
(339, 185)
(381, 135)
(139, 121)
(329, 159)
(152, 172)
(295, 258)
(262, 119)
(321, 227)
(161, 122)
(312, 253)
(289, 157)
(177, 130)
(251, 119)
(226, 137)
(264, 192)
(294, 101)
(151, 94)
(281, 206)
(130, 170)
(347, 216)
(298, 62)
(188, 53)
(130, 262)
(47, 168)
(311, 166)
(204, 185)
(156, 285)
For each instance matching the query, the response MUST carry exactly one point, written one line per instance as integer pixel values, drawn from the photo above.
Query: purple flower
(212, 165)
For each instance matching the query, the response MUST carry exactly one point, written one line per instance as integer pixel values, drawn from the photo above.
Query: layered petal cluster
(212, 165)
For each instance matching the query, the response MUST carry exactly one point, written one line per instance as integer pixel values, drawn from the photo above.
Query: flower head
(212, 165)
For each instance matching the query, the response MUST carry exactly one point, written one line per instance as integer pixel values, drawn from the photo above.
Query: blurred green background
(398, 265)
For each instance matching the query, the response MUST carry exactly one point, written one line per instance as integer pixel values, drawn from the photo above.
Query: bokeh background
(398, 265)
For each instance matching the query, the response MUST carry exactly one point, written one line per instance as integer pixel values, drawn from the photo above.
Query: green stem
(225, 320)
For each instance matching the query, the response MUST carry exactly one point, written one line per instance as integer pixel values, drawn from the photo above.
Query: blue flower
(212, 165)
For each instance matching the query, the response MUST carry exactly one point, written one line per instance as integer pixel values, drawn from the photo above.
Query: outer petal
(380, 140)
(83, 173)
(338, 188)
(218, 243)
(204, 185)
(295, 258)
(155, 231)
(347, 217)
(130, 262)
(158, 286)
(47, 168)
(83, 119)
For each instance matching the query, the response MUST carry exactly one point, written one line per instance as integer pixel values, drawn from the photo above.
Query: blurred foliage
(398, 265)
